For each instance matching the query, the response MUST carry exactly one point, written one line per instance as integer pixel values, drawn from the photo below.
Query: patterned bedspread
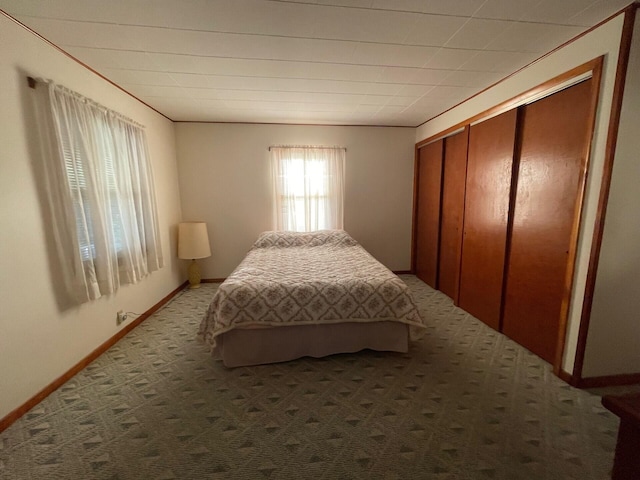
(292, 278)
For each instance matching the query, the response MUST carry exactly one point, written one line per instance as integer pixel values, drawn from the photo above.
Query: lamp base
(194, 275)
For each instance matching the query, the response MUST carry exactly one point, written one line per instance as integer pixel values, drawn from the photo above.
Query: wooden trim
(625, 10)
(81, 63)
(566, 377)
(414, 217)
(609, 380)
(449, 132)
(577, 220)
(57, 383)
(519, 99)
(295, 124)
(612, 139)
(213, 280)
(402, 272)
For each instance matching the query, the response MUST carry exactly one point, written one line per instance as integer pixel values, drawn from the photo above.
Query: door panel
(453, 187)
(555, 133)
(488, 186)
(428, 212)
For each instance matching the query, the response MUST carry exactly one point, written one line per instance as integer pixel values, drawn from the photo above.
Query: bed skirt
(256, 346)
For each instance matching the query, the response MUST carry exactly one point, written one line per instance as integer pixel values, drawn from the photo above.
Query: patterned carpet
(465, 403)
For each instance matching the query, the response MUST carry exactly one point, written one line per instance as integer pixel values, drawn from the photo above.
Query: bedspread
(292, 278)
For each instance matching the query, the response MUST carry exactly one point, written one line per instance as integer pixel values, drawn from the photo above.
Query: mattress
(302, 279)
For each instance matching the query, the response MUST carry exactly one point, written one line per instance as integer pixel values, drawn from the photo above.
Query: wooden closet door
(488, 186)
(555, 136)
(428, 212)
(453, 187)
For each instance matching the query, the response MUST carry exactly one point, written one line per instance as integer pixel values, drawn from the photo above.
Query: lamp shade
(193, 240)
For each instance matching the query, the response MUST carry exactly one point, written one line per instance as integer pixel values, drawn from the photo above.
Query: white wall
(38, 340)
(225, 181)
(613, 342)
(604, 40)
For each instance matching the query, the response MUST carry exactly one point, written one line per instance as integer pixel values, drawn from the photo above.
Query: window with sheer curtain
(308, 184)
(100, 194)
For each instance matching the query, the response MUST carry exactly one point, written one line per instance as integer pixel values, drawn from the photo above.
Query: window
(308, 185)
(77, 183)
(100, 190)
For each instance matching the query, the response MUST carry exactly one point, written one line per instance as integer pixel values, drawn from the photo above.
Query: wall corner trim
(610, 149)
(567, 377)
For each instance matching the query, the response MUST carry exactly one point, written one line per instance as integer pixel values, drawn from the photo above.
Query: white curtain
(308, 184)
(100, 194)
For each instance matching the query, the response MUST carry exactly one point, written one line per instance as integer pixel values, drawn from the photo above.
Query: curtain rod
(33, 82)
(306, 146)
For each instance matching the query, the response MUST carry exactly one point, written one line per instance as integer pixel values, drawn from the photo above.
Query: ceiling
(351, 62)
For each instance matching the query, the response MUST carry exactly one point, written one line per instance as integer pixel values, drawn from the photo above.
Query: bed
(308, 294)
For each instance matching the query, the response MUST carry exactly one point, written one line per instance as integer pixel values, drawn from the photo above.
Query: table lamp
(193, 243)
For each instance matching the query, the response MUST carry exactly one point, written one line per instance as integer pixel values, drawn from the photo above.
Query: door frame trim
(610, 150)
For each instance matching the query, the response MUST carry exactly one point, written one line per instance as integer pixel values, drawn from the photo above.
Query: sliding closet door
(428, 212)
(555, 137)
(453, 186)
(488, 186)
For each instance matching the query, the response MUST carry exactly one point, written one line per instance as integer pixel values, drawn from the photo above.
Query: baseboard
(402, 272)
(597, 382)
(609, 380)
(567, 377)
(53, 386)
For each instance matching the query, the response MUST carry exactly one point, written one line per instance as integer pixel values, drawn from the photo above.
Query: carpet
(465, 403)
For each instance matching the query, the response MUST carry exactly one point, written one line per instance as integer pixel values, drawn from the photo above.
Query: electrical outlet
(120, 317)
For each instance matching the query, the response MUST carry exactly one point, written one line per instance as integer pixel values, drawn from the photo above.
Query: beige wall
(613, 343)
(604, 40)
(225, 181)
(38, 341)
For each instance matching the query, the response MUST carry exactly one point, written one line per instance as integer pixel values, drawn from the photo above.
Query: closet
(497, 214)
(427, 215)
(555, 136)
(488, 184)
(453, 189)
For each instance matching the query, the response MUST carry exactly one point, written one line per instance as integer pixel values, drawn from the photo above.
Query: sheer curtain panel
(308, 185)
(100, 194)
